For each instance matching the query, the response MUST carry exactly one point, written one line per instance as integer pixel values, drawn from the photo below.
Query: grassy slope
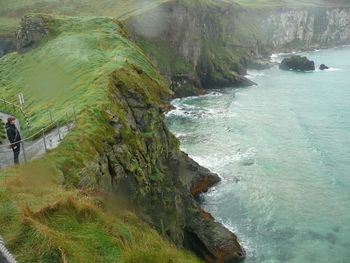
(46, 80)
(42, 216)
(12, 10)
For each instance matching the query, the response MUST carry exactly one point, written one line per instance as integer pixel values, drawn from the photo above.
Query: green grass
(13, 10)
(46, 214)
(83, 52)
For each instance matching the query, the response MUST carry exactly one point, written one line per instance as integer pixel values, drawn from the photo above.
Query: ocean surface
(282, 149)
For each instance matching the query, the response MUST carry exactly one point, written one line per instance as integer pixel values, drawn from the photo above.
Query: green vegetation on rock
(54, 209)
(83, 52)
(13, 10)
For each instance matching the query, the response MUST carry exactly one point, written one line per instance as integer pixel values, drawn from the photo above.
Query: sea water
(282, 149)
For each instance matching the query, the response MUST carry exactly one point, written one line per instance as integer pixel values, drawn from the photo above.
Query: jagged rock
(323, 67)
(197, 178)
(184, 85)
(256, 63)
(30, 32)
(161, 181)
(204, 236)
(297, 63)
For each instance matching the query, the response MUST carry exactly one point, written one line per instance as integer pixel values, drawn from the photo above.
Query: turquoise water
(283, 152)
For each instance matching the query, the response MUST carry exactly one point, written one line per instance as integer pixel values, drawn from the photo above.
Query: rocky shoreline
(149, 169)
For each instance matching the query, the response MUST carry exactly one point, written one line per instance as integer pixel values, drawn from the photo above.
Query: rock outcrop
(183, 38)
(323, 67)
(146, 167)
(141, 161)
(204, 44)
(297, 63)
(185, 85)
(215, 42)
(30, 32)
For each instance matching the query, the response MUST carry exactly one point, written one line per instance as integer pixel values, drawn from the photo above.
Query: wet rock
(297, 63)
(323, 67)
(211, 241)
(161, 181)
(259, 64)
(197, 178)
(184, 85)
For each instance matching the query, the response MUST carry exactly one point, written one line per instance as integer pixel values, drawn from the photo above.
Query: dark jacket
(12, 133)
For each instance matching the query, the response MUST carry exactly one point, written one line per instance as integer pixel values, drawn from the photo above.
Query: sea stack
(323, 67)
(297, 63)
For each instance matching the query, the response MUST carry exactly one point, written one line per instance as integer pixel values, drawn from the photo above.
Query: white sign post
(21, 99)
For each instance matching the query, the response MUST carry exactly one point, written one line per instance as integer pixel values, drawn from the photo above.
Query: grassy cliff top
(67, 70)
(12, 10)
(43, 218)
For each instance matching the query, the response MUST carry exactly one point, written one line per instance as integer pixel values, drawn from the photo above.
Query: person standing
(14, 137)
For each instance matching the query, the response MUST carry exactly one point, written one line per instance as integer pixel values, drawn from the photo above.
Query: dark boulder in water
(323, 67)
(297, 63)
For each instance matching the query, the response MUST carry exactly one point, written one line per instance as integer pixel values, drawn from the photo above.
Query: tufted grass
(12, 11)
(45, 215)
(82, 53)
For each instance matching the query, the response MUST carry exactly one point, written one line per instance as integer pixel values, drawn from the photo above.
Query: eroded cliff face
(190, 44)
(145, 166)
(213, 43)
(138, 159)
(307, 29)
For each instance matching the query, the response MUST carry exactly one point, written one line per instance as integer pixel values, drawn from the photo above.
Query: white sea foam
(243, 240)
(214, 161)
(210, 94)
(254, 74)
(237, 104)
(241, 94)
(328, 70)
(276, 58)
(333, 69)
(193, 112)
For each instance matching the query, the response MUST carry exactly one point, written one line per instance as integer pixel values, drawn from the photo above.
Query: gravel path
(34, 148)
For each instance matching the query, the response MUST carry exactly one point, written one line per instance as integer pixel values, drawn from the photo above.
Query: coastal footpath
(75, 203)
(121, 146)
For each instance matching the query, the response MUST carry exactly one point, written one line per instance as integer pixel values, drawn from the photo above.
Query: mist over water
(283, 152)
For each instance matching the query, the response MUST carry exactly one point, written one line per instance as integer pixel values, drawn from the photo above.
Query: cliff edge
(119, 152)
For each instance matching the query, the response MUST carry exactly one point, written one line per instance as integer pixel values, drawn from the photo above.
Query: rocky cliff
(191, 41)
(145, 165)
(286, 30)
(212, 43)
(205, 44)
(120, 144)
